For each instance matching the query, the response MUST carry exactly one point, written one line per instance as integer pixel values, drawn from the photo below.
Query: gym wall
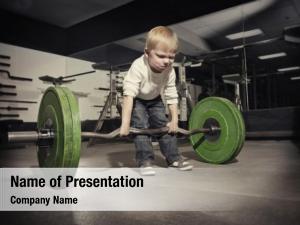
(32, 64)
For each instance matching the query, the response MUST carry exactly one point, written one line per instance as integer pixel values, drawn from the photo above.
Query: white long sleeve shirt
(140, 81)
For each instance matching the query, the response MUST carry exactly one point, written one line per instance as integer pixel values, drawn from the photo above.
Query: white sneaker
(182, 165)
(147, 170)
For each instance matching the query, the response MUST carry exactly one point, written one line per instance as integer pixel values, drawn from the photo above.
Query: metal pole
(245, 79)
(269, 92)
(254, 87)
(111, 90)
(183, 100)
(213, 79)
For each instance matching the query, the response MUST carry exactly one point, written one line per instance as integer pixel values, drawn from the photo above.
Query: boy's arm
(171, 99)
(131, 86)
(126, 115)
(173, 124)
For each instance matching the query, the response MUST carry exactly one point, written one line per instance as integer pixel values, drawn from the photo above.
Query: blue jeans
(151, 114)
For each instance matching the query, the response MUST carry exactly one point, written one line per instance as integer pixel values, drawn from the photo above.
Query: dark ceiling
(48, 27)
(114, 31)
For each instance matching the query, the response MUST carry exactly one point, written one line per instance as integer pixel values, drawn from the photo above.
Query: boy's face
(160, 59)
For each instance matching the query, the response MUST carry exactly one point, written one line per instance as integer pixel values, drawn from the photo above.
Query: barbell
(216, 130)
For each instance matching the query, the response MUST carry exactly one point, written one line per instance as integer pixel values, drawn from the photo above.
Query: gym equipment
(4, 57)
(102, 89)
(9, 108)
(225, 144)
(4, 64)
(15, 77)
(111, 67)
(7, 93)
(17, 101)
(59, 112)
(62, 80)
(9, 115)
(112, 103)
(7, 86)
(217, 130)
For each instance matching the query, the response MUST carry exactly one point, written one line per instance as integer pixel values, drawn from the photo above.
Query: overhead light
(291, 33)
(244, 34)
(288, 69)
(295, 78)
(270, 56)
(231, 75)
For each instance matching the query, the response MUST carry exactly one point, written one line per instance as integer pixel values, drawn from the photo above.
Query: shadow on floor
(127, 159)
(193, 156)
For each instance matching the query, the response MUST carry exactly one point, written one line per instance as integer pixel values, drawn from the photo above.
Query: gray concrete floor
(263, 182)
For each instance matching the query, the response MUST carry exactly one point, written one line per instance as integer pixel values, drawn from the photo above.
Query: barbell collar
(23, 136)
(29, 136)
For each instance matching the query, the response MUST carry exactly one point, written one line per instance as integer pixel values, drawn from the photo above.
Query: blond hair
(163, 37)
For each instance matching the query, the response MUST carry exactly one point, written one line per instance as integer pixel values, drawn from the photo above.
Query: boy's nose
(167, 61)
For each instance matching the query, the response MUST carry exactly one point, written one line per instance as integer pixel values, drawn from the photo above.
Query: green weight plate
(240, 130)
(243, 131)
(76, 129)
(222, 148)
(242, 127)
(59, 111)
(242, 124)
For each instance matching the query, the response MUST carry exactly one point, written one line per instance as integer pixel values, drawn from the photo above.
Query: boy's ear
(146, 51)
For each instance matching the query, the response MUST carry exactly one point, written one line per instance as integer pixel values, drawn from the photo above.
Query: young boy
(147, 77)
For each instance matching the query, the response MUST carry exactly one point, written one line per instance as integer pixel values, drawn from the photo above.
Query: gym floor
(263, 184)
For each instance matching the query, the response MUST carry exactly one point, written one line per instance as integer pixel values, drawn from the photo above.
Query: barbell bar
(45, 134)
(216, 130)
